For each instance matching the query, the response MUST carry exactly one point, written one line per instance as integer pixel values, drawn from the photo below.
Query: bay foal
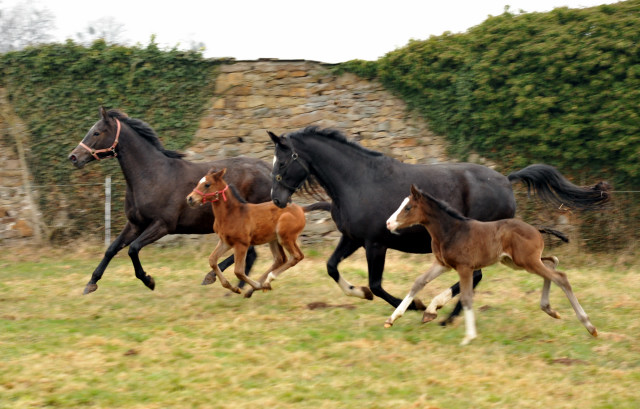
(240, 224)
(466, 245)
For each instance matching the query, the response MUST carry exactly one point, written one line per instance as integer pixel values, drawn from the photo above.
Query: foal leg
(433, 272)
(279, 257)
(210, 278)
(296, 256)
(252, 255)
(551, 263)
(444, 297)
(240, 253)
(466, 297)
(560, 279)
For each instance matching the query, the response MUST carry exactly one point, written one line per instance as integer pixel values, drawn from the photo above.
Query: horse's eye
(96, 133)
(407, 208)
(206, 185)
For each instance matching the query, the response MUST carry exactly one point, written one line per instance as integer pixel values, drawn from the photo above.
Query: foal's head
(211, 188)
(409, 213)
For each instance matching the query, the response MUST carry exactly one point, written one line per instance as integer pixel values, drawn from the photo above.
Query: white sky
(323, 30)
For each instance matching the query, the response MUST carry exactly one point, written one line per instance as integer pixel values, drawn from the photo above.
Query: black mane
(144, 130)
(236, 193)
(332, 134)
(444, 206)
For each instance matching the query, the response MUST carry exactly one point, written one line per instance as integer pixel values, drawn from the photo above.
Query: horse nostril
(73, 158)
(276, 202)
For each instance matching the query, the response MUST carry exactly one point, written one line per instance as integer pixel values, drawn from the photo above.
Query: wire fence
(613, 228)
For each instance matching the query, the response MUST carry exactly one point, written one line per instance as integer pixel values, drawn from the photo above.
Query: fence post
(107, 211)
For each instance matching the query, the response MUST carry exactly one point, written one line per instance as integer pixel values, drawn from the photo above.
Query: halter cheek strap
(213, 196)
(112, 149)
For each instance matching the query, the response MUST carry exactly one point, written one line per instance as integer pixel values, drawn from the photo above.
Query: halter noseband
(294, 158)
(112, 149)
(213, 196)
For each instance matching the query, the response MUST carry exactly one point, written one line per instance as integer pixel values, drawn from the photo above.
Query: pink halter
(112, 149)
(213, 196)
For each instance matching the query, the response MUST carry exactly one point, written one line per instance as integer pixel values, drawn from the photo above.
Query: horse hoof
(151, 283)
(266, 287)
(428, 317)
(368, 295)
(388, 323)
(419, 305)
(209, 279)
(594, 333)
(248, 294)
(90, 288)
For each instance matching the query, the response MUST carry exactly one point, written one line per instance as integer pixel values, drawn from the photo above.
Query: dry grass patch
(185, 345)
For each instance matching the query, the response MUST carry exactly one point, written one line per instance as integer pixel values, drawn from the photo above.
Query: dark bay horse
(157, 182)
(240, 225)
(366, 187)
(465, 244)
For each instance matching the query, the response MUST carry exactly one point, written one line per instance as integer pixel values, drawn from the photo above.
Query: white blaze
(392, 223)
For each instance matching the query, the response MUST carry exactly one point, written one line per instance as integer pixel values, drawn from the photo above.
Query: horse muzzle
(79, 158)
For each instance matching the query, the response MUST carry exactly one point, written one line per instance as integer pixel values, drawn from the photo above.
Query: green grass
(189, 346)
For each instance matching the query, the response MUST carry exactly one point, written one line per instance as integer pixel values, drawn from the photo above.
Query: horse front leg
(210, 278)
(126, 236)
(240, 254)
(153, 232)
(444, 297)
(376, 254)
(279, 258)
(431, 274)
(345, 248)
(252, 255)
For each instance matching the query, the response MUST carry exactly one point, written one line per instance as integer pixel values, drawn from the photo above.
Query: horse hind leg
(551, 263)
(279, 258)
(296, 256)
(561, 280)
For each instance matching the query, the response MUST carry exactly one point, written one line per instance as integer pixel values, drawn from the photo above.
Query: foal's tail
(317, 206)
(551, 186)
(558, 234)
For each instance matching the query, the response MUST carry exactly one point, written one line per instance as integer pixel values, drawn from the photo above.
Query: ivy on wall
(57, 90)
(559, 87)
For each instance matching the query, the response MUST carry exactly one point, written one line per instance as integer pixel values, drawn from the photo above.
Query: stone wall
(278, 95)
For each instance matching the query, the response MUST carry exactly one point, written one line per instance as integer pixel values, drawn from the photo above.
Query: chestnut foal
(466, 245)
(240, 224)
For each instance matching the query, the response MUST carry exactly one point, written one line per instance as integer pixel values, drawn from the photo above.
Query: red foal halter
(213, 196)
(112, 149)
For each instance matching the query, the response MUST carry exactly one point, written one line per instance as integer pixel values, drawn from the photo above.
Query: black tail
(317, 206)
(551, 186)
(556, 233)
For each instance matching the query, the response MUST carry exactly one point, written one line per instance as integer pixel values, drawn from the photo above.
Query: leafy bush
(57, 89)
(559, 87)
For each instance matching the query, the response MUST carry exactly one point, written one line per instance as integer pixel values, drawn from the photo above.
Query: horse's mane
(236, 193)
(334, 135)
(145, 131)
(444, 206)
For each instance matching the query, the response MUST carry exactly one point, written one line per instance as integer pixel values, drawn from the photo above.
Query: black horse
(158, 180)
(366, 187)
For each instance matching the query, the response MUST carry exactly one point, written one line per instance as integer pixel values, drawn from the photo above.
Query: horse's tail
(551, 186)
(556, 233)
(317, 206)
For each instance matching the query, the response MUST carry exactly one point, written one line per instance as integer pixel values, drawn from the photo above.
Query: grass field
(189, 346)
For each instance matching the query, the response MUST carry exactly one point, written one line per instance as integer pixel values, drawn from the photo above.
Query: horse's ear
(275, 138)
(103, 113)
(415, 192)
(219, 174)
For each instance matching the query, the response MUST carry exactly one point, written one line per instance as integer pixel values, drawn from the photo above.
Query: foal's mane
(145, 131)
(444, 206)
(236, 193)
(334, 135)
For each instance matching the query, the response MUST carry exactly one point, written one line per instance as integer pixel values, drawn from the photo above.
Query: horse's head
(209, 189)
(99, 143)
(409, 213)
(289, 171)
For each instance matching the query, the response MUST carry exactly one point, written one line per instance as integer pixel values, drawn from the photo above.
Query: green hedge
(561, 87)
(57, 90)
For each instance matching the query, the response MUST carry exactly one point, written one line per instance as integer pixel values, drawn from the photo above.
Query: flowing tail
(326, 206)
(558, 234)
(552, 187)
